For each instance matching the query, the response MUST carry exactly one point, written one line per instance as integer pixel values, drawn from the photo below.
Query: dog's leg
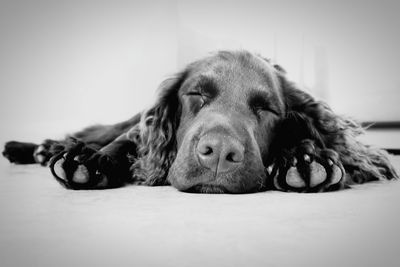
(96, 136)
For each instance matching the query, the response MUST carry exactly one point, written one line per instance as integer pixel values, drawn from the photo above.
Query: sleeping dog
(229, 123)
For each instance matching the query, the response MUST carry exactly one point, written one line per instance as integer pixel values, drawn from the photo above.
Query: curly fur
(156, 138)
(362, 162)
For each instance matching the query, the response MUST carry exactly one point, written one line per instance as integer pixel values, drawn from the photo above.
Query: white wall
(66, 64)
(345, 52)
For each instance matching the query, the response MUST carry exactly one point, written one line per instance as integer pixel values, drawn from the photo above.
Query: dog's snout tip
(219, 153)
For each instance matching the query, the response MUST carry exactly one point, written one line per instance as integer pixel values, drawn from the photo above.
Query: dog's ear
(311, 119)
(156, 135)
(307, 118)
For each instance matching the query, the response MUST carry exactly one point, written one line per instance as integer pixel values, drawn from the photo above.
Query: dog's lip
(207, 188)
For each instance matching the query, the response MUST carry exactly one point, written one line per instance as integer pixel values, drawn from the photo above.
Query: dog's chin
(207, 189)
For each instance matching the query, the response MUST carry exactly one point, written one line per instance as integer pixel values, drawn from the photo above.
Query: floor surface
(42, 224)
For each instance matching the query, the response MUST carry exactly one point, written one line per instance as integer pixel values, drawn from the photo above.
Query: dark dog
(229, 123)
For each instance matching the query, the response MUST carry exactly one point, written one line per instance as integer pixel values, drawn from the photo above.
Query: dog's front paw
(43, 152)
(83, 167)
(308, 169)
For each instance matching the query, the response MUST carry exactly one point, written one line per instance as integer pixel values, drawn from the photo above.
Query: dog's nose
(220, 153)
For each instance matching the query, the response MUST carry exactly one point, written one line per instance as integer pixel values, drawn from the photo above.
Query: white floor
(42, 224)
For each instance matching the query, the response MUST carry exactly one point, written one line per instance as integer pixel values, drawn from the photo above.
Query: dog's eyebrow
(207, 86)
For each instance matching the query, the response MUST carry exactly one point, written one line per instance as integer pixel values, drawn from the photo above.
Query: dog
(229, 123)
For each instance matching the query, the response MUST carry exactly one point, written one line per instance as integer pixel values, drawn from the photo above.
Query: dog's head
(213, 126)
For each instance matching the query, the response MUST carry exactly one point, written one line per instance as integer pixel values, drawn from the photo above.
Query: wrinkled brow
(207, 86)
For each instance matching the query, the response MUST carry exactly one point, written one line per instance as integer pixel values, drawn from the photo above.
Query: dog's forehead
(235, 72)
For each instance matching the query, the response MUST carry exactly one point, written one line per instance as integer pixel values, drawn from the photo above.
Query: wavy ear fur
(156, 135)
(307, 118)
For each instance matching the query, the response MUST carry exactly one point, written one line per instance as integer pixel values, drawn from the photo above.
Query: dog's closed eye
(202, 94)
(260, 103)
(197, 100)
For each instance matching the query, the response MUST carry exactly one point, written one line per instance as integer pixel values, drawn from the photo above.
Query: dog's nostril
(208, 151)
(231, 157)
(205, 150)
(235, 156)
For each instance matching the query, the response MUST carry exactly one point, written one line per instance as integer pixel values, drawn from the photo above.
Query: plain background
(67, 64)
